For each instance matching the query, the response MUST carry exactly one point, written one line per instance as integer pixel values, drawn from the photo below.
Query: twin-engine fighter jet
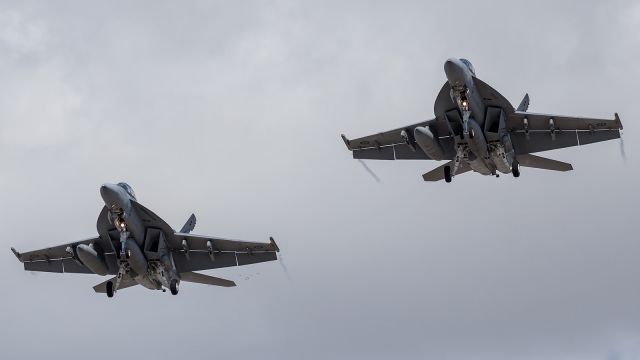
(138, 247)
(476, 128)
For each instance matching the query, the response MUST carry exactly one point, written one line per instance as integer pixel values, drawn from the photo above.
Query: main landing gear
(515, 168)
(173, 286)
(109, 289)
(447, 174)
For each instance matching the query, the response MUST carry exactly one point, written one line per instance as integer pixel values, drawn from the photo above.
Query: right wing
(391, 145)
(531, 132)
(62, 258)
(206, 252)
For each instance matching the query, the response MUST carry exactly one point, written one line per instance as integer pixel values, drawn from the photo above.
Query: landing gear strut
(124, 254)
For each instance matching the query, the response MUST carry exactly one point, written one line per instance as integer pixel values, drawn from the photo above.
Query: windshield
(128, 189)
(468, 64)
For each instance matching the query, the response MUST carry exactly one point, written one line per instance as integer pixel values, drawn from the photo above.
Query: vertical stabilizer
(524, 104)
(189, 225)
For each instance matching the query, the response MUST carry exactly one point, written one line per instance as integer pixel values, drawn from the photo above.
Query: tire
(173, 286)
(515, 169)
(447, 174)
(109, 289)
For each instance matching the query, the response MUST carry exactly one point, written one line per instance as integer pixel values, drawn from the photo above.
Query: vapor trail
(375, 177)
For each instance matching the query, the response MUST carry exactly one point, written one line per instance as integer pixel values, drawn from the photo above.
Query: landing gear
(124, 235)
(173, 286)
(447, 174)
(515, 168)
(109, 289)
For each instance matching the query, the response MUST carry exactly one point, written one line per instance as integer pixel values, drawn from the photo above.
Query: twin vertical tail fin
(189, 225)
(524, 104)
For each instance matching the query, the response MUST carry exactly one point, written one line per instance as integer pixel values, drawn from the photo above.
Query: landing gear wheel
(515, 168)
(173, 286)
(447, 174)
(109, 289)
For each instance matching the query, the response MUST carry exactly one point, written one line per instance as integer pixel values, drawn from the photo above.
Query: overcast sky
(233, 111)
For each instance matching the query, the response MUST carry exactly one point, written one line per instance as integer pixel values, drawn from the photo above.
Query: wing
(205, 252)
(531, 132)
(62, 258)
(396, 144)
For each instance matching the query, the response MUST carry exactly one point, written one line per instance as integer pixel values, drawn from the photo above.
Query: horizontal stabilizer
(437, 174)
(538, 162)
(124, 283)
(189, 225)
(195, 277)
(524, 104)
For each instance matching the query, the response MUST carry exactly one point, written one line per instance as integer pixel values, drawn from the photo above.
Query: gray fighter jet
(138, 247)
(476, 128)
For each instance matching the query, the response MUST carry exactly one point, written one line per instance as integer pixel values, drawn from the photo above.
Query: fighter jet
(476, 128)
(139, 248)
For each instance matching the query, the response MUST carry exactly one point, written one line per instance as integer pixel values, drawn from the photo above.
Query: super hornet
(476, 128)
(138, 247)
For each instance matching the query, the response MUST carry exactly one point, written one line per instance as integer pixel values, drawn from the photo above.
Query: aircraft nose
(109, 194)
(454, 69)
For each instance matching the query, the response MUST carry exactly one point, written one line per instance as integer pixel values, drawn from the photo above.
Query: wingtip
(346, 141)
(273, 244)
(618, 121)
(16, 253)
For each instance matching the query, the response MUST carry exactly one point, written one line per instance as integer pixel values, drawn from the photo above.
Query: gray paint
(139, 247)
(479, 130)
(214, 97)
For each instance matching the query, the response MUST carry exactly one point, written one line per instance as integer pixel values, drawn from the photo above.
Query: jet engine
(92, 259)
(428, 142)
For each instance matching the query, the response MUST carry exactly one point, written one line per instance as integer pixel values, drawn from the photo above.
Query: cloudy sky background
(233, 111)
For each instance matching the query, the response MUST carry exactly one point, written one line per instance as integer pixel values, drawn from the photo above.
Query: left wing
(531, 132)
(206, 252)
(62, 259)
(396, 144)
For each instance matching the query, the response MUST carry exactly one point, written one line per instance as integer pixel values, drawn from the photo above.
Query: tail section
(532, 161)
(438, 173)
(124, 283)
(195, 277)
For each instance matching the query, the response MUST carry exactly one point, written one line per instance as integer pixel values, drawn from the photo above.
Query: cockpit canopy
(128, 189)
(469, 66)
